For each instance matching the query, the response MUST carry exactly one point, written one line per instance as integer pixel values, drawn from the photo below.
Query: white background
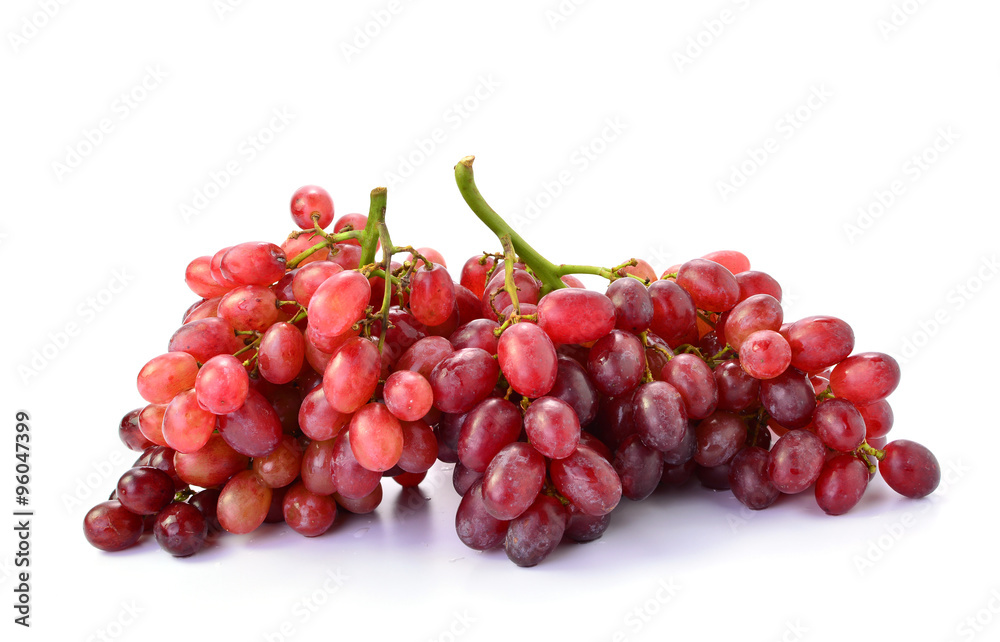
(890, 80)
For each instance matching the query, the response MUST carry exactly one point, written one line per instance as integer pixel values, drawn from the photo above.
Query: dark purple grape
(512, 480)
(180, 529)
(475, 526)
(145, 490)
(659, 415)
(573, 386)
(463, 379)
(582, 527)
(462, 478)
(129, 433)
(695, 382)
(789, 398)
(533, 535)
(796, 461)
(720, 436)
(207, 502)
(488, 427)
(633, 305)
(714, 477)
(685, 450)
(737, 390)
(616, 363)
(639, 467)
(910, 469)
(588, 480)
(749, 479)
(110, 526)
(841, 484)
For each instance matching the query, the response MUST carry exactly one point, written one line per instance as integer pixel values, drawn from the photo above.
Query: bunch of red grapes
(299, 381)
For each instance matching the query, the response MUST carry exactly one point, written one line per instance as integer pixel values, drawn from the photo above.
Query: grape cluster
(307, 373)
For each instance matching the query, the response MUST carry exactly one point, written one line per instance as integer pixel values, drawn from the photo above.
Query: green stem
(387, 251)
(376, 215)
(871, 450)
(544, 269)
(508, 268)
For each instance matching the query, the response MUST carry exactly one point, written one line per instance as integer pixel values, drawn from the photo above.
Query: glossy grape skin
(408, 395)
(207, 501)
(639, 467)
(659, 415)
(180, 529)
(448, 432)
(796, 461)
(752, 282)
(573, 315)
(253, 263)
(166, 375)
(130, 434)
(317, 467)
(474, 274)
(203, 309)
(765, 354)
(222, 384)
(361, 505)
(789, 398)
(198, 276)
(878, 419)
(281, 353)
(475, 526)
(616, 363)
(758, 312)
(685, 450)
(841, 484)
(463, 379)
(588, 480)
(839, 424)
(749, 479)
(210, 466)
(674, 313)
(737, 389)
(254, 429)
(819, 342)
(528, 359)
(419, 447)
(732, 260)
(339, 302)
(306, 512)
(552, 427)
(865, 377)
(352, 375)
(573, 386)
(513, 480)
(462, 478)
(215, 269)
(205, 338)
(110, 526)
(532, 536)
(186, 425)
(712, 287)
(581, 527)
(632, 303)
(528, 292)
(487, 428)
(425, 354)
(432, 295)
(910, 469)
(294, 247)
(145, 490)
(281, 467)
(249, 308)
(352, 479)
(309, 277)
(477, 333)
(720, 436)
(693, 379)
(376, 437)
(243, 503)
(310, 199)
(349, 222)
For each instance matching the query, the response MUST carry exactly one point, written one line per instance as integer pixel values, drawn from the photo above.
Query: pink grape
(222, 384)
(572, 315)
(865, 377)
(164, 376)
(309, 200)
(527, 359)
